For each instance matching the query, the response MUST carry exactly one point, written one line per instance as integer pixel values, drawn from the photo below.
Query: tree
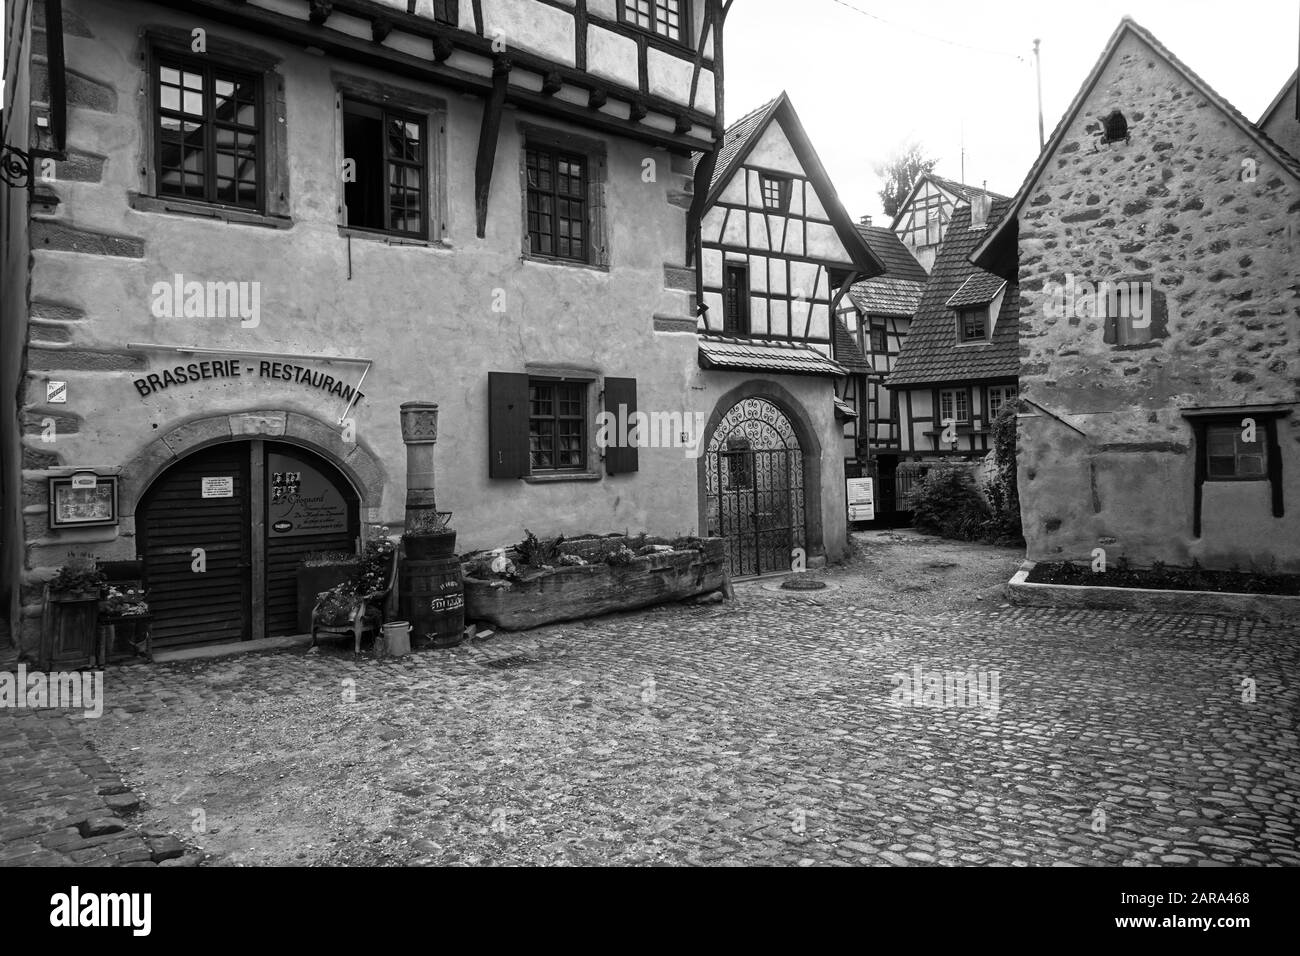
(900, 173)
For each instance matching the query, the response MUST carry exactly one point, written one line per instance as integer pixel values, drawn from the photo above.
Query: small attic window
(1114, 128)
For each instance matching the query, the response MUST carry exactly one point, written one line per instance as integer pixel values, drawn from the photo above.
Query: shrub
(1003, 490)
(949, 505)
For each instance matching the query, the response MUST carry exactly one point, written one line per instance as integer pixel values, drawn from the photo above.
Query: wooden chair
(368, 613)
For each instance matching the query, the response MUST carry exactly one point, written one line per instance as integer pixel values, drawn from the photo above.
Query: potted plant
(319, 571)
(70, 626)
(357, 603)
(427, 536)
(78, 580)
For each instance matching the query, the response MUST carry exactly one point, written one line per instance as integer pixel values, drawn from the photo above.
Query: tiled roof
(736, 137)
(887, 296)
(930, 351)
(899, 261)
(980, 288)
(962, 190)
(754, 355)
(844, 411)
(847, 352)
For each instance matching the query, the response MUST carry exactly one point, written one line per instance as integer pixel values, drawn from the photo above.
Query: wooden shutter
(620, 392)
(1274, 465)
(507, 425)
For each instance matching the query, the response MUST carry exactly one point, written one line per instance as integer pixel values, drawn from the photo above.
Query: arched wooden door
(222, 532)
(754, 487)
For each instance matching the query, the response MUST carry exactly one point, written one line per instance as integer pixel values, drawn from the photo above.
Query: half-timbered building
(776, 252)
(959, 364)
(923, 216)
(250, 230)
(875, 316)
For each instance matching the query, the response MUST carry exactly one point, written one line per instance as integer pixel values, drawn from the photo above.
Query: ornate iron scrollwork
(16, 167)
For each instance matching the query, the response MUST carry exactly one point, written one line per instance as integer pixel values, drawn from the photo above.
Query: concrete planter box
(1272, 607)
(570, 593)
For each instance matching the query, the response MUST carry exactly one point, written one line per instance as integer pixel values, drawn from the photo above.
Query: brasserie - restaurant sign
(239, 368)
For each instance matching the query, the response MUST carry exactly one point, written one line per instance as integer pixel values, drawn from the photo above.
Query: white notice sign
(862, 499)
(219, 487)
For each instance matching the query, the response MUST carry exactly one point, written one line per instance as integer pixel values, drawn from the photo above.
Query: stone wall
(1191, 204)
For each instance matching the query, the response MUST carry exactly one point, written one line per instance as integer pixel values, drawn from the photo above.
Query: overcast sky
(863, 84)
(866, 80)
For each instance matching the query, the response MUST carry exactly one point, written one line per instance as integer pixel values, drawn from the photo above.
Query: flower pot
(428, 547)
(314, 579)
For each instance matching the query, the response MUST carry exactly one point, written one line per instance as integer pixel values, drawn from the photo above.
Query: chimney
(979, 209)
(865, 220)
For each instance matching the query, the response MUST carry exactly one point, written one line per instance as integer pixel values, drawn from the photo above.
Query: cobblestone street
(765, 731)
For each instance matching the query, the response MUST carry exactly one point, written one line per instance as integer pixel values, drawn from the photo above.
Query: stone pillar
(420, 434)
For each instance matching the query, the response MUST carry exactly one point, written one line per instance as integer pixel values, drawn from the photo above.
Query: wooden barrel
(433, 598)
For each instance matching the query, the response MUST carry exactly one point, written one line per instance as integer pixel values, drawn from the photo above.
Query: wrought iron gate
(755, 488)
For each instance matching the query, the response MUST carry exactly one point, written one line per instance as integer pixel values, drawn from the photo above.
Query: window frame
(883, 344)
(964, 392)
(744, 324)
(556, 154)
(386, 111)
(1005, 398)
(1261, 439)
(783, 186)
(684, 21)
(962, 338)
(453, 12)
(163, 55)
(555, 383)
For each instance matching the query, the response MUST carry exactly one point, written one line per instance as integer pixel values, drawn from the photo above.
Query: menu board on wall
(300, 500)
(862, 499)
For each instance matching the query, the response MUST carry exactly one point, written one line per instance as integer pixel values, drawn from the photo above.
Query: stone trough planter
(566, 593)
(1270, 607)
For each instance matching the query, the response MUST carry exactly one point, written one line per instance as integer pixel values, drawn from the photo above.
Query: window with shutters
(208, 125)
(557, 426)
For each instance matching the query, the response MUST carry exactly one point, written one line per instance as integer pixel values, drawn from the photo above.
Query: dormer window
(776, 193)
(1114, 128)
(976, 304)
(662, 17)
(972, 324)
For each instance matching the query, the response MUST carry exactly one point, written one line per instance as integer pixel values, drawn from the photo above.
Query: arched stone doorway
(224, 510)
(755, 485)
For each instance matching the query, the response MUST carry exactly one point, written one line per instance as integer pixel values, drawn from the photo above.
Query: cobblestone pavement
(768, 730)
(61, 804)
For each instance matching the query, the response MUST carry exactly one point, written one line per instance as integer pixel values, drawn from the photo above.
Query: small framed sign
(78, 501)
(219, 487)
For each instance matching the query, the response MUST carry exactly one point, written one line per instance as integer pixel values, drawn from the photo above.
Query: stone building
(777, 253)
(1155, 245)
(274, 222)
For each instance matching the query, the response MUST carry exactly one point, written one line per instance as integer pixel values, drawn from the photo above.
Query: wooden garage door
(174, 519)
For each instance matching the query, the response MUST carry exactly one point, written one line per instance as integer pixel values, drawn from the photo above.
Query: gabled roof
(930, 352)
(960, 190)
(739, 140)
(885, 295)
(847, 352)
(898, 259)
(986, 252)
(980, 288)
(1287, 88)
(756, 355)
(898, 291)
